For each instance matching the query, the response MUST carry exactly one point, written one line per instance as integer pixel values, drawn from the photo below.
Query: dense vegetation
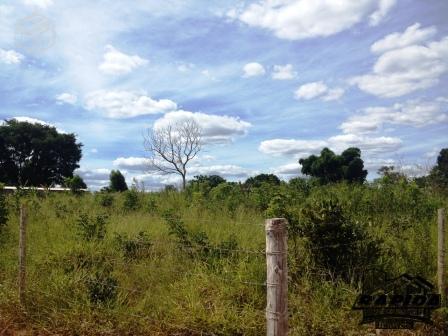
(178, 263)
(33, 154)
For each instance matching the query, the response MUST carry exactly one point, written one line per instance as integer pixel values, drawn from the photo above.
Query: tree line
(39, 155)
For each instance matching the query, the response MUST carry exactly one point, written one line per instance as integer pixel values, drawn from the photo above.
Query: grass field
(192, 263)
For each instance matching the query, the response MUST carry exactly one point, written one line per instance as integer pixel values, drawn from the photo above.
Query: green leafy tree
(117, 181)
(257, 181)
(36, 155)
(75, 183)
(390, 176)
(211, 180)
(438, 177)
(329, 167)
(202, 184)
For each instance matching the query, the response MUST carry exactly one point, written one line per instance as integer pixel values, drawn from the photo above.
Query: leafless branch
(170, 148)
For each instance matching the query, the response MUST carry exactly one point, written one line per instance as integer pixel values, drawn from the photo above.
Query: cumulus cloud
(118, 63)
(132, 163)
(283, 72)
(10, 56)
(94, 178)
(412, 113)
(185, 67)
(302, 148)
(318, 90)
(412, 35)
(253, 69)
(226, 171)
(37, 121)
(32, 121)
(38, 3)
(215, 128)
(126, 104)
(407, 62)
(301, 19)
(288, 169)
(371, 145)
(294, 147)
(384, 7)
(66, 98)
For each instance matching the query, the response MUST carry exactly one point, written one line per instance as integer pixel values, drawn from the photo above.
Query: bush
(134, 247)
(91, 228)
(102, 287)
(131, 200)
(105, 199)
(337, 244)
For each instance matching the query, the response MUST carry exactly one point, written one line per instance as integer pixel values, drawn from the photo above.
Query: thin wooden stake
(22, 254)
(441, 255)
(277, 277)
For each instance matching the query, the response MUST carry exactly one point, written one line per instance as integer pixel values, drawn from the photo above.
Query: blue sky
(269, 81)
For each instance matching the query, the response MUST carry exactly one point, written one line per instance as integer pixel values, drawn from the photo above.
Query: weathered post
(277, 277)
(22, 254)
(441, 255)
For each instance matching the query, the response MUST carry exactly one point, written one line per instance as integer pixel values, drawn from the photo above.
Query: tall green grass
(80, 286)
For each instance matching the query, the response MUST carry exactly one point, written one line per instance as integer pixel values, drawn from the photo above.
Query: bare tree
(172, 147)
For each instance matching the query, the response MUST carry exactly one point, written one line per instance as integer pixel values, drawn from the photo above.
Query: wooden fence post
(441, 255)
(277, 277)
(22, 254)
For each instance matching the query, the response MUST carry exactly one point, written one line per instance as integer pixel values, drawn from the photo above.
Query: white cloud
(302, 148)
(67, 98)
(215, 128)
(132, 163)
(371, 145)
(32, 121)
(412, 35)
(37, 121)
(94, 178)
(301, 19)
(377, 163)
(227, 171)
(10, 57)
(318, 90)
(384, 7)
(38, 3)
(185, 67)
(253, 69)
(283, 72)
(311, 90)
(126, 104)
(118, 63)
(288, 169)
(333, 94)
(413, 113)
(294, 147)
(405, 66)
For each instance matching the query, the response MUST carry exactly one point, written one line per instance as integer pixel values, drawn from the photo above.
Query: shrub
(134, 247)
(131, 200)
(105, 199)
(75, 183)
(91, 228)
(102, 287)
(151, 205)
(337, 244)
